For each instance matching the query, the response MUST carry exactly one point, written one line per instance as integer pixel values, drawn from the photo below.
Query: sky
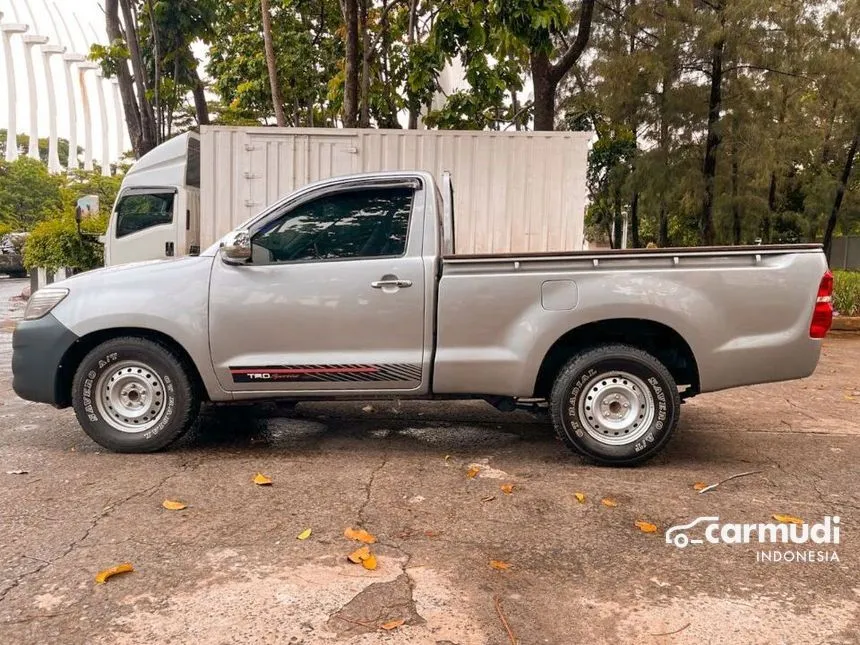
(84, 22)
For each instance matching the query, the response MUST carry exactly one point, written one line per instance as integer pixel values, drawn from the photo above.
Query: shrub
(846, 292)
(56, 243)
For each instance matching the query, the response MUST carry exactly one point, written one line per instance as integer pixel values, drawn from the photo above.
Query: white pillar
(30, 43)
(119, 118)
(103, 113)
(6, 32)
(54, 164)
(83, 68)
(69, 60)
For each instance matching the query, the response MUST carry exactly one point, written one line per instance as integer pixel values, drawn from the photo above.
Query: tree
(351, 64)
(28, 193)
(272, 65)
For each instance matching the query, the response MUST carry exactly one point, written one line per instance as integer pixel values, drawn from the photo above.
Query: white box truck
(516, 191)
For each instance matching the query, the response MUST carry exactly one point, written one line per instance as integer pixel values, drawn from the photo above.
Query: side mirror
(237, 249)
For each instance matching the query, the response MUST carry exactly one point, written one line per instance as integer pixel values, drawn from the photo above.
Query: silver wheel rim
(130, 397)
(616, 408)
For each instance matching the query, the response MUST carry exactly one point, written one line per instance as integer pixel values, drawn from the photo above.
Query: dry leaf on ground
(392, 624)
(472, 472)
(507, 489)
(489, 498)
(699, 485)
(369, 562)
(359, 555)
(608, 501)
(646, 527)
(788, 519)
(172, 505)
(102, 576)
(359, 535)
(17, 472)
(580, 497)
(500, 565)
(262, 480)
(304, 535)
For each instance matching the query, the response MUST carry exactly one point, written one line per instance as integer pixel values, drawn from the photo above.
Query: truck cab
(157, 211)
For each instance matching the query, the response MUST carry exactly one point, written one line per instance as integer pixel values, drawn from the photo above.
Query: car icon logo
(676, 534)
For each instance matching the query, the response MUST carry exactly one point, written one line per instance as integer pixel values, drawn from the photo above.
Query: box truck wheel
(134, 395)
(615, 404)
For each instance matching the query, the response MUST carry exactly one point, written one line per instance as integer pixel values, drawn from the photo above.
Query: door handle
(391, 283)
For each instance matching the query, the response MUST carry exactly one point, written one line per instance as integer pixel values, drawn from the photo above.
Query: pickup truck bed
(347, 289)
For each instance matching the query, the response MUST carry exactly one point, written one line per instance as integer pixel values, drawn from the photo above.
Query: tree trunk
(547, 76)
(617, 224)
(767, 220)
(349, 8)
(272, 65)
(156, 54)
(544, 90)
(366, 55)
(124, 80)
(634, 220)
(840, 192)
(198, 90)
(709, 169)
(148, 130)
(736, 207)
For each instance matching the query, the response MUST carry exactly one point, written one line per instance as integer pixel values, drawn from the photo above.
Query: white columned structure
(83, 68)
(54, 164)
(49, 50)
(6, 33)
(102, 97)
(30, 43)
(119, 118)
(69, 59)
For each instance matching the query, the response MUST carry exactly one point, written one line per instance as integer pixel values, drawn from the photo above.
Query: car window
(138, 212)
(356, 224)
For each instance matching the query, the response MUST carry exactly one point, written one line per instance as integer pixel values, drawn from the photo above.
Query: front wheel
(134, 395)
(615, 404)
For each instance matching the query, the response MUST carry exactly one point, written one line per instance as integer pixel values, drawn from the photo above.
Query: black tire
(119, 367)
(618, 378)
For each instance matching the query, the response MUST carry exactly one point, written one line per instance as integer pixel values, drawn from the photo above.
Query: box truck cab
(157, 211)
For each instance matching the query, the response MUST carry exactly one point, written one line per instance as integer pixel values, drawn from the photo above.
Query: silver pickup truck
(348, 289)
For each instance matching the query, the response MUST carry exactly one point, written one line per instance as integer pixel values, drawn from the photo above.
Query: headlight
(43, 301)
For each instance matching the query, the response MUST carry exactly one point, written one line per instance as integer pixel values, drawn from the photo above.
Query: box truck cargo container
(516, 191)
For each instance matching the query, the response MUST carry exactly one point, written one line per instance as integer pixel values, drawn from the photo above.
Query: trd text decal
(326, 373)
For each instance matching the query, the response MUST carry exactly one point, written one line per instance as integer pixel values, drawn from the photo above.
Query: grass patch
(846, 292)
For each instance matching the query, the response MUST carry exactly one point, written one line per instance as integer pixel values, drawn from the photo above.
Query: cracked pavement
(229, 568)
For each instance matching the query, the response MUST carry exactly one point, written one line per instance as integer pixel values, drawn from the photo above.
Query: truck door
(143, 225)
(332, 299)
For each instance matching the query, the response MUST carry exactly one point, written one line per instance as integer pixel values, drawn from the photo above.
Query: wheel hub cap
(616, 408)
(130, 397)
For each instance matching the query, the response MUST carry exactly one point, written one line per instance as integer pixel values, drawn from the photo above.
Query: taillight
(822, 315)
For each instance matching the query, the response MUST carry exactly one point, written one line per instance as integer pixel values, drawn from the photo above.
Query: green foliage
(846, 292)
(56, 243)
(28, 193)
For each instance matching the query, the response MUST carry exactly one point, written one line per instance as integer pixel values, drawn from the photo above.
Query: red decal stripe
(310, 370)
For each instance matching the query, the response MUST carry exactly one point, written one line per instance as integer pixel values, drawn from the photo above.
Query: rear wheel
(134, 395)
(615, 404)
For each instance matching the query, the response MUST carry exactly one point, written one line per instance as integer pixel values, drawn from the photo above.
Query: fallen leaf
(447, 457)
(507, 489)
(367, 408)
(392, 624)
(17, 472)
(608, 501)
(172, 505)
(304, 535)
(699, 485)
(472, 472)
(788, 519)
(360, 535)
(848, 397)
(369, 562)
(646, 527)
(431, 534)
(261, 480)
(580, 497)
(489, 498)
(102, 576)
(359, 555)
(499, 565)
